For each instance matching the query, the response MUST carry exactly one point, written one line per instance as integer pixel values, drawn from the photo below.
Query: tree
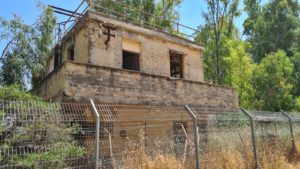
(272, 81)
(271, 27)
(296, 73)
(25, 54)
(15, 56)
(219, 25)
(161, 14)
(239, 71)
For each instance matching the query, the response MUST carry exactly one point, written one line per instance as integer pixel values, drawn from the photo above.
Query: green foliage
(161, 13)
(297, 104)
(296, 73)
(25, 54)
(271, 79)
(47, 141)
(271, 27)
(2, 114)
(14, 92)
(218, 28)
(206, 38)
(16, 57)
(239, 71)
(43, 41)
(220, 39)
(268, 84)
(52, 158)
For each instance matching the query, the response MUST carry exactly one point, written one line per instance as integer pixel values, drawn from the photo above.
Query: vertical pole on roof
(95, 111)
(196, 135)
(253, 137)
(291, 130)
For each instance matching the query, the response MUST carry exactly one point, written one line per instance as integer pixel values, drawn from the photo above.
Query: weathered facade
(149, 74)
(117, 62)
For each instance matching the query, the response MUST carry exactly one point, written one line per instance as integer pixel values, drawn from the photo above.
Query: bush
(14, 92)
(32, 130)
(297, 104)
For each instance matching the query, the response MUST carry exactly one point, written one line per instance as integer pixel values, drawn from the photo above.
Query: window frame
(171, 53)
(71, 48)
(138, 60)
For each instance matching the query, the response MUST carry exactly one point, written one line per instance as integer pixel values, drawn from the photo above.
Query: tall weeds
(237, 155)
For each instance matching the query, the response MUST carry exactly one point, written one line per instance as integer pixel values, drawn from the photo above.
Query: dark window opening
(71, 53)
(176, 66)
(131, 61)
(57, 56)
(106, 128)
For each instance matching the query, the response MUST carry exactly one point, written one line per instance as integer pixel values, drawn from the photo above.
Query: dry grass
(237, 156)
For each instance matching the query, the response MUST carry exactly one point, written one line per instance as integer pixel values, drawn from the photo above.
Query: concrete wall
(108, 85)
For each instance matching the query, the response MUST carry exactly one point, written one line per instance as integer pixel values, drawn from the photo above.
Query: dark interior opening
(57, 56)
(131, 61)
(71, 53)
(176, 66)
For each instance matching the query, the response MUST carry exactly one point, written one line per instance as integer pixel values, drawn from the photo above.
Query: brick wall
(89, 41)
(109, 85)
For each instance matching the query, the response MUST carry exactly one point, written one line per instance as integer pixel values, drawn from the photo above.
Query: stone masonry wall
(154, 53)
(52, 86)
(88, 39)
(109, 85)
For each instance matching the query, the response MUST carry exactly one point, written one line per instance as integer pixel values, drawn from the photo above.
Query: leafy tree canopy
(158, 13)
(28, 47)
(272, 81)
(271, 27)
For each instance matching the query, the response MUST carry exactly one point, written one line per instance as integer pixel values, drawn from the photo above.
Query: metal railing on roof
(177, 29)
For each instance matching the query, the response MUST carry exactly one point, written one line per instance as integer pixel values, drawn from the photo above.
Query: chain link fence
(63, 135)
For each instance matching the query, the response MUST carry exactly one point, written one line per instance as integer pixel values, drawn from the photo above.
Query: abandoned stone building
(113, 61)
(116, 62)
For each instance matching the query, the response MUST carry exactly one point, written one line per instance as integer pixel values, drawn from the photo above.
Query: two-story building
(113, 61)
(116, 62)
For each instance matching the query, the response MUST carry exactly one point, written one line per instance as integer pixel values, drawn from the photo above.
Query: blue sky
(190, 11)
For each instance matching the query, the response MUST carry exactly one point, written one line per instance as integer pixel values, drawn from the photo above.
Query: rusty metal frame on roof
(84, 6)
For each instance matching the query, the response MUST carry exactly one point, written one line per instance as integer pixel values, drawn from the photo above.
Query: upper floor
(103, 41)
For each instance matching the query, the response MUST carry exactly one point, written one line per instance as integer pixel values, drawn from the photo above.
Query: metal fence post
(97, 133)
(291, 130)
(196, 135)
(253, 137)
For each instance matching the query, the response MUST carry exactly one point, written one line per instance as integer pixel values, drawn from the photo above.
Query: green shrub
(297, 104)
(14, 92)
(37, 136)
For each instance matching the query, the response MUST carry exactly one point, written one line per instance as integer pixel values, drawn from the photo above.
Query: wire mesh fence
(273, 136)
(224, 134)
(133, 136)
(46, 135)
(62, 135)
